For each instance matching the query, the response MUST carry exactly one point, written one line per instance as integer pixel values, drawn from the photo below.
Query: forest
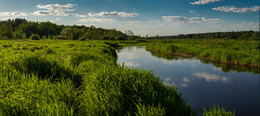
(240, 35)
(22, 29)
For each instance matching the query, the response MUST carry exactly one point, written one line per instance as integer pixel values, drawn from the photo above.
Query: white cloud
(54, 9)
(103, 14)
(124, 14)
(192, 11)
(154, 21)
(204, 2)
(79, 15)
(196, 20)
(237, 10)
(163, 24)
(113, 13)
(97, 20)
(7, 14)
(57, 19)
(57, 7)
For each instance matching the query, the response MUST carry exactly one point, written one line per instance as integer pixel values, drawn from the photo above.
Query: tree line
(22, 29)
(239, 35)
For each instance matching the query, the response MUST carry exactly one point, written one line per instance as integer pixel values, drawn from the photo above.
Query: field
(233, 52)
(66, 77)
(60, 77)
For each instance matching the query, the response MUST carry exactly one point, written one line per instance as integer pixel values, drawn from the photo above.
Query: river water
(202, 84)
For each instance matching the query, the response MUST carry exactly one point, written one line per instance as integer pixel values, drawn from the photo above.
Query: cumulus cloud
(79, 15)
(54, 9)
(103, 14)
(196, 20)
(97, 20)
(192, 11)
(8, 14)
(124, 14)
(204, 2)
(237, 10)
(113, 13)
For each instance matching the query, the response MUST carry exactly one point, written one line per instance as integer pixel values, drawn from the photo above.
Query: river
(201, 84)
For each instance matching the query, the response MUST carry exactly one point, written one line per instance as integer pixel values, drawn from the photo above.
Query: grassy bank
(222, 51)
(49, 77)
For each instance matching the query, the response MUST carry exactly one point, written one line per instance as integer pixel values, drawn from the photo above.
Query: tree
(66, 33)
(47, 28)
(6, 30)
(28, 28)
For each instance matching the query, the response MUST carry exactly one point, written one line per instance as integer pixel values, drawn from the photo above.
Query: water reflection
(223, 67)
(201, 83)
(184, 83)
(210, 77)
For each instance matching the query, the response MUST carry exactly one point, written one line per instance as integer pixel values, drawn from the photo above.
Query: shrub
(105, 37)
(120, 38)
(82, 39)
(35, 37)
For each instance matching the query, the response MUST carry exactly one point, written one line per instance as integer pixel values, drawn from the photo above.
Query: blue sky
(144, 17)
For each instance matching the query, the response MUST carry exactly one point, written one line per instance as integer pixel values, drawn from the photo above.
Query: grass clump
(79, 78)
(218, 112)
(120, 91)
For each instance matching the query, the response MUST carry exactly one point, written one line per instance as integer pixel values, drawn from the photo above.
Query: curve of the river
(201, 83)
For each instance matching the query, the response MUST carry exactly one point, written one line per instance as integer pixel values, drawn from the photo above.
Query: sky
(142, 17)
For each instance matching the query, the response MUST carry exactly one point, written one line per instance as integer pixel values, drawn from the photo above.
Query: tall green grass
(224, 51)
(218, 112)
(50, 77)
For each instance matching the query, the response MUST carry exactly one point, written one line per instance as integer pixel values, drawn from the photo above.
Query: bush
(120, 38)
(82, 39)
(35, 37)
(105, 37)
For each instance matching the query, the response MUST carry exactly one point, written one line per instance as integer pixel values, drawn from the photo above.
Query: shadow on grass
(46, 69)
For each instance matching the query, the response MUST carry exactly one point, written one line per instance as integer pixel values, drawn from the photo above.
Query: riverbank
(78, 78)
(244, 53)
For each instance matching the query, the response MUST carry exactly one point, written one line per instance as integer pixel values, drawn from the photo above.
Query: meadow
(61, 77)
(235, 52)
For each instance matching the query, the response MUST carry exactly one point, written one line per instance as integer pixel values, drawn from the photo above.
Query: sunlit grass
(218, 112)
(225, 51)
(50, 77)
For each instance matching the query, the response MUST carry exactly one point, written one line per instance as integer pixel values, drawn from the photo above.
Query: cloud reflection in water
(210, 77)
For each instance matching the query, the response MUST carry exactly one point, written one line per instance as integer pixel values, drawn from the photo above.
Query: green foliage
(22, 29)
(218, 112)
(78, 78)
(225, 51)
(83, 39)
(35, 37)
(120, 38)
(240, 35)
(150, 111)
(163, 48)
